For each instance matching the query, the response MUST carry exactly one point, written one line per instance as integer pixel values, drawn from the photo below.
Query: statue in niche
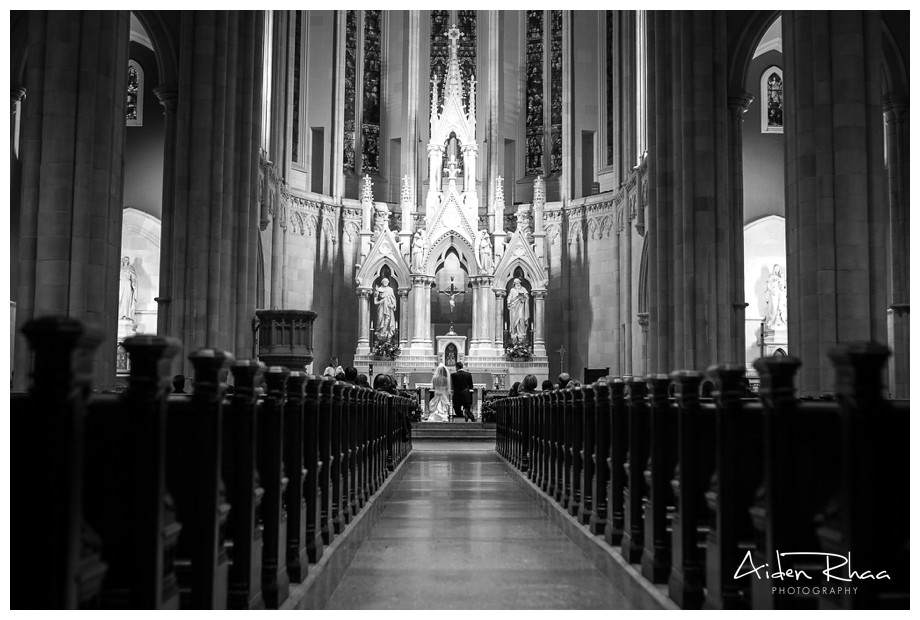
(385, 300)
(485, 253)
(518, 312)
(127, 290)
(419, 244)
(775, 292)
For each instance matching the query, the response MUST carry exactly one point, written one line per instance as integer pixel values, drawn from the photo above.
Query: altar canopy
(491, 283)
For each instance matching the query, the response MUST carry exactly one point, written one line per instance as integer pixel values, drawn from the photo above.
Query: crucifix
(452, 291)
(561, 352)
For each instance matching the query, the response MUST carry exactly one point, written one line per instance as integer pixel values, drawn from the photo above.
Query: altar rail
(150, 500)
(685, 487)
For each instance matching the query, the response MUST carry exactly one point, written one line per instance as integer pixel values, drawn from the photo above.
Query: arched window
(134, 106)
(543, 86)
(771, 100)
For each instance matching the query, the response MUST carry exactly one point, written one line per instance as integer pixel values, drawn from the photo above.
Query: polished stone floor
(458, 532)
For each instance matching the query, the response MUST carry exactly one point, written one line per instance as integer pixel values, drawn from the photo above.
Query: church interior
(646, 202)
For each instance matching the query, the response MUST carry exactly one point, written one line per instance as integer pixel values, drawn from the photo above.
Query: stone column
(539, 342)
(410, 163)
(897, 132)
(486, 313)
(690, 256)
(421, 318)
(16, 95)
(72, 157)
(500, 295)
(495, 146)
(642, 366)
(566, 178)
(836, 214)
(338, 112)
(403, 317)
(476, 335)
(364, 320)
(737, 107)
(217, 183)
(169, 98)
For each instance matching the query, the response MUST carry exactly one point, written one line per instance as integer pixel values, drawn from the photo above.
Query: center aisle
(459, 533)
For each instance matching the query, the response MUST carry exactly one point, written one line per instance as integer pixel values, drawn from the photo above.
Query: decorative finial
(539, 192)
(434, 95)
(406, 193)
(367, 195)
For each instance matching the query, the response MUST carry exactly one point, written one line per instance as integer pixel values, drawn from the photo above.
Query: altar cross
(561, 352)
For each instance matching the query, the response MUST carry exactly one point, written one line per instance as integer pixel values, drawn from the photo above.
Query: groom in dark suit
(461, 382)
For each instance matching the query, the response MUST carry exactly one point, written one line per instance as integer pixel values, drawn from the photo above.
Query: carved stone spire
(539, 191)
(434, 97)
(454, 85)
(405, 194)
(367, 195)
(499, 194)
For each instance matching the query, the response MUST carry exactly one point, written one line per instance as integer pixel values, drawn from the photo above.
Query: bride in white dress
(439, 407)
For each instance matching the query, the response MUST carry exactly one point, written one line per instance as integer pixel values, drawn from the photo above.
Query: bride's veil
(440, 379)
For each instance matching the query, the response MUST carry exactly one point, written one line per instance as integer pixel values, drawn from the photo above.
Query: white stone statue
(518, 312)
(419, 245)
(485, 253)
(127, 290)
(775, 292)
(385, 300)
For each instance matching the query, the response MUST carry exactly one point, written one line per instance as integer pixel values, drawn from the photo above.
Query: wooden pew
(351, 442)
(244, 490)
(559, 476)
(311, 438)
(588, 446)
(55, 555)
(738, 473)
(193, 475)
(868, 520)
(801, 474)
(600, 458)
(616, 460)
(631, 543)
(658, 504)
(125, 490)
(275, 580)
(533, 423)
(326, 452)
(295, 494)
(341, 480)
(695, 464)
(568, 421)
(548, 482)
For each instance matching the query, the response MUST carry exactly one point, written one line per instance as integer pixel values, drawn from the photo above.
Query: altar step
(458, 430)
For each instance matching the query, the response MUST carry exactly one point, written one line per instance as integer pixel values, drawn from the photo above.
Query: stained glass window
(134, 104)
(370, 118)
(771, 94)
(295, 114)
(533, 161)
(610, 102)
(466, 50)
(351, 78)
(555, 98)
(440, 48)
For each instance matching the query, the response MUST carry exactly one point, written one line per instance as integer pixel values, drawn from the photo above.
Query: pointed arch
(440, 245)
